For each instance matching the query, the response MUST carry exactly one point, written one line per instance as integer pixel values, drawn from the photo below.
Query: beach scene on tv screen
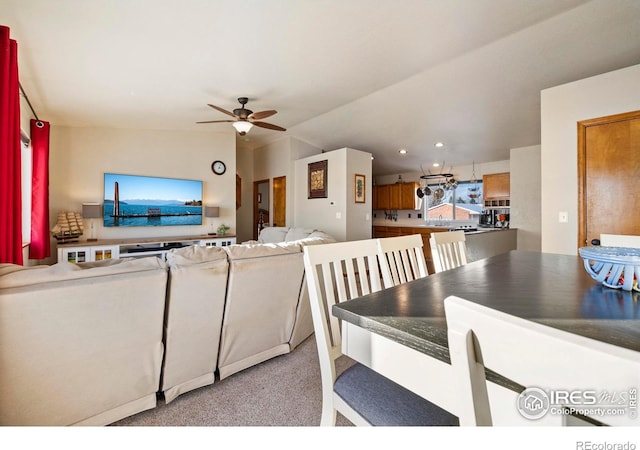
(139, 201)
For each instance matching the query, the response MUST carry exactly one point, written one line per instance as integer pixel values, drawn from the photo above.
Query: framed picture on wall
(318, 179)
(359, 188)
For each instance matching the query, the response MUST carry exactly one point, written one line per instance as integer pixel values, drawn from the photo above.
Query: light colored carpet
(283, 391)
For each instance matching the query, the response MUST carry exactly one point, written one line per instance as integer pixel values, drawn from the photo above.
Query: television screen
(139, 201)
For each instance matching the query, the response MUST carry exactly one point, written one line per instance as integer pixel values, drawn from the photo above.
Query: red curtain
(40, 247)
(10, 166)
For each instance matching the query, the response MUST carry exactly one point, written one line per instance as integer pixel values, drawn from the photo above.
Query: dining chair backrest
(620, 240)
(342, 271)
(337, 272)
(401, 259)
(548, 362)
(448, 250)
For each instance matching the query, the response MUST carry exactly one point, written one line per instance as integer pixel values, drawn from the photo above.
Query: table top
(547, 288)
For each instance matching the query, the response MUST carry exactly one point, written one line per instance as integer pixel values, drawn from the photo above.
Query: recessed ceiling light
(439, 144)
(402, 151)
(372, 157)
(436, 165)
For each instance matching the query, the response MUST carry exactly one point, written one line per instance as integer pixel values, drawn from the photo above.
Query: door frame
(255, 204)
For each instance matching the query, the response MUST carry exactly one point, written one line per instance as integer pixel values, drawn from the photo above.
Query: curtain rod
(24, 94)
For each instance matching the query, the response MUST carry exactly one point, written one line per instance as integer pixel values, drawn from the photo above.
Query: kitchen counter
(483, 243)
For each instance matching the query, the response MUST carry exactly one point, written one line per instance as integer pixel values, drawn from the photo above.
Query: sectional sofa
(92, 343)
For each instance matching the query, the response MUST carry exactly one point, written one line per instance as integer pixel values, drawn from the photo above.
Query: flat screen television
(141, 201)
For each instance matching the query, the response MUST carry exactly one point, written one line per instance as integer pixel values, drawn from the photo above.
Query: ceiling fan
(244, 118)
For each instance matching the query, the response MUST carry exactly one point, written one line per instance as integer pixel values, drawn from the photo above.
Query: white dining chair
(538, 357)
(448, 250)
(401, 259)
(342, 271)
(619, 240)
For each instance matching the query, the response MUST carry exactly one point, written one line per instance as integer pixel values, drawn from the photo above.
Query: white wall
(79, 157)
(338, 214)
(562, 107)
(359, 219)
(525, 196)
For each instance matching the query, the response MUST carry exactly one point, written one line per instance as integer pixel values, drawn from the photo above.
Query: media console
(85, 251)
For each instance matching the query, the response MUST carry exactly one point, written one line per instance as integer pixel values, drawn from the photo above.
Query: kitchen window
(461, 203)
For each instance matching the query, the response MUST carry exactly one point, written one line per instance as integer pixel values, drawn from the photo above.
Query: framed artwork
(318, 179)
(359, 188)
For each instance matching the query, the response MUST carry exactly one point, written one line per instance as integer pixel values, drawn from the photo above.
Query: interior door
(608, 176)
(280, 202)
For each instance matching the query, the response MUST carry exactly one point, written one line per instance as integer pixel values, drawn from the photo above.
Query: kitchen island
(481, 243)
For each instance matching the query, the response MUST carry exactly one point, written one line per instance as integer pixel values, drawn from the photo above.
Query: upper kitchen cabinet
(496, 189)
(395, 196)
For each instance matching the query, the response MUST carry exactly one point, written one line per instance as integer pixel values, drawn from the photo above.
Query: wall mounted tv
(140, 201)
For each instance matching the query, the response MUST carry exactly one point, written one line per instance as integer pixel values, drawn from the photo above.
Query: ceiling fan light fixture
(242, 127)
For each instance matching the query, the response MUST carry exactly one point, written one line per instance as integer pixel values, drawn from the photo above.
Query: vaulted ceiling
(376, 76)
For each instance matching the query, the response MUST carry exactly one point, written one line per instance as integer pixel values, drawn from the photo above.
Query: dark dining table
(401, 331)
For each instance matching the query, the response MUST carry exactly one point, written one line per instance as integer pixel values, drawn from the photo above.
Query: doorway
(280, 202)
(608, 182)
(260, 206)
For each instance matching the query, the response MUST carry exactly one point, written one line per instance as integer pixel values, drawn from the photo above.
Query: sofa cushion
(270, 235)
(315, 238)
(194, 254)
(15, 276)
(80, 344)
(248, 251)
(297, 233)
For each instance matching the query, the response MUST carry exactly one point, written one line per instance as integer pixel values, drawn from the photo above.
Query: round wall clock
(218, 167)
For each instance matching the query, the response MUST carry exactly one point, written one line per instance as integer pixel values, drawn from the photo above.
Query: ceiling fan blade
(216, 121)
(269, 125)
(262, 114)
(222, 110)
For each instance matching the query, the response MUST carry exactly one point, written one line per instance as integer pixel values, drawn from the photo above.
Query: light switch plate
(563, 217)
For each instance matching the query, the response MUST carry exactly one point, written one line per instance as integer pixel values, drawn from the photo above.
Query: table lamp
(212, 211)
(91, 211)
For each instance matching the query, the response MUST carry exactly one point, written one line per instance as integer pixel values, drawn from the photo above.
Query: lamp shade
(212, 211)
(242, 126)
(91, 210)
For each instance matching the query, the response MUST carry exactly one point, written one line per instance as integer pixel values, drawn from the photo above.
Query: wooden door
(608, 176)
(280, 202)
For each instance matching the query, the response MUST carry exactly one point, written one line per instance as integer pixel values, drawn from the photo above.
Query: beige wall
(562, 108)
(79, 157)
(273, 160)
(525, 196)
(244, 214)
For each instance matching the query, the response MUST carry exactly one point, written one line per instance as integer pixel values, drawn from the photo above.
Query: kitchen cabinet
(497, 190)
(395, 196)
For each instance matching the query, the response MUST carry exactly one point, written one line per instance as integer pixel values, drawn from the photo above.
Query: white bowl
(614, 267)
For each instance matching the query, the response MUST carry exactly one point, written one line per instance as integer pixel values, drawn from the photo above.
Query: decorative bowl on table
(614, 267)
